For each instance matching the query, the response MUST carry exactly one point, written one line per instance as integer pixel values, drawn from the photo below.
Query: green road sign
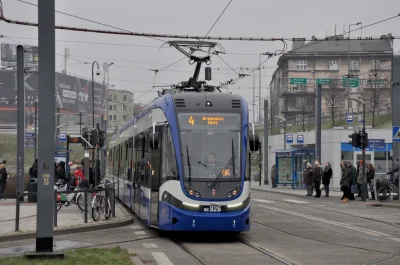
(324, 81)
(353, 82)
(377, 82)
(298, 81)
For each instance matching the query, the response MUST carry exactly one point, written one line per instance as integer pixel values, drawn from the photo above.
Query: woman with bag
(317, 173)
(326, 177)
(370, 179)
(307, 179)
(344, 181)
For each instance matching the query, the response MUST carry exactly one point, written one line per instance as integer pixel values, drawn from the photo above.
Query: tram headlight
(233, 192)
(192, 192)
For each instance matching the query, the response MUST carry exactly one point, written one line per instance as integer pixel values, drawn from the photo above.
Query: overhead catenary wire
(217, 19)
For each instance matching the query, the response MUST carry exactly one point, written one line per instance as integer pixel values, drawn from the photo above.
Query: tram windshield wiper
(188, 157)
(188, 162)
(228, 164)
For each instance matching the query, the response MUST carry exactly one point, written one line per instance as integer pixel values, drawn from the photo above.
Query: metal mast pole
(348, 73)
(259, 91)
(364, 186)
(266, 151)
(36, 119)
(21, 119)
(318, 124)
(254, 98)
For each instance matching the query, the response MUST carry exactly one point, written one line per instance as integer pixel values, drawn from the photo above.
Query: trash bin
(32, 187)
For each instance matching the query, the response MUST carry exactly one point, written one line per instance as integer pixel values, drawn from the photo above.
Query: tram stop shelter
(290, 164)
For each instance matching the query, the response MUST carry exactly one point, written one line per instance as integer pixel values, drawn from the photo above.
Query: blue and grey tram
(183, 163)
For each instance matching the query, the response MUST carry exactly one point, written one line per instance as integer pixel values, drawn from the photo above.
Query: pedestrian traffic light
(94, 139)
(354, 139)
(363, 139)
(102, 137)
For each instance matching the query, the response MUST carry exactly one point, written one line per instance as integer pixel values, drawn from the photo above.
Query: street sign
(62, 137)
(289, 138)
(396, 134)
(353, 82)
(349, 118)
(376, 82)
(324, 81)
(300, 138)
(376, 143)
(298, 81)
(30, 140)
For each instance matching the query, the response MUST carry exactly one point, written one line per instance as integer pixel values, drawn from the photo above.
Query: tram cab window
(169, 169)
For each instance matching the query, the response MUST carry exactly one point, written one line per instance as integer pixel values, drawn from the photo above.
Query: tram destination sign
(193, 120)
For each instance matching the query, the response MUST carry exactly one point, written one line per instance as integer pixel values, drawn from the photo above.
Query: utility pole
(318, 124)
(396, 108)
(254, 98)
(266, 151)
(36, 120)
(348, 68)
(259, 89)
(97, 162)
(21, 120)
(57, 127)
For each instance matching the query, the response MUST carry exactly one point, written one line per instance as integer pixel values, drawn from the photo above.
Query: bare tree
(376, 93)
(334, 96)
(303, 107)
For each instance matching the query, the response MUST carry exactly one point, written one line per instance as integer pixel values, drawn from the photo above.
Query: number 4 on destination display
(191, 120)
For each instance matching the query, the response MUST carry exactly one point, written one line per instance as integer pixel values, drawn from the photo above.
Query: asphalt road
(285, 230)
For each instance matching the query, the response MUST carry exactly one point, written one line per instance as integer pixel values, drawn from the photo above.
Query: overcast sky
(256, 18)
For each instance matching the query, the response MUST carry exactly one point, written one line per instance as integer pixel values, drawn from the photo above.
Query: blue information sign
(349, 118)
(300, 138)
(62, 137)
(289, 138)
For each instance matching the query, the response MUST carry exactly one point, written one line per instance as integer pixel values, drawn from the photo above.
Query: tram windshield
(210, 146)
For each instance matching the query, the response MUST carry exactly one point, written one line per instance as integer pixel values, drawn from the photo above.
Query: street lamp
(348, 68)
(284, 130)
(97, 73)
(364, 186)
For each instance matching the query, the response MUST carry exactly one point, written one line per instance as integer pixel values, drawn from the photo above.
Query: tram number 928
(213, 209)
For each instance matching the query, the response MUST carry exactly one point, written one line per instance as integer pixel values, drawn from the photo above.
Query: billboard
(9, 55)
(72, 93)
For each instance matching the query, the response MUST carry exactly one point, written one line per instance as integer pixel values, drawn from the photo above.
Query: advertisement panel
(9, 55)
(72, 93)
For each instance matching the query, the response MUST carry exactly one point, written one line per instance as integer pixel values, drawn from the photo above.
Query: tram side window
(138, 158)
(129, 159)
(146, 169)
(155, 163)
(169, 168)
(247, 173)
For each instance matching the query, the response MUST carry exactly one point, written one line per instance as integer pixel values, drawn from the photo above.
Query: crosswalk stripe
(264, 201)
(295, 201)
(161, 258)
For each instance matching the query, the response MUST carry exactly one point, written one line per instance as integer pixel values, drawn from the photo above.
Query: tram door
(138, 161)
(155, 176)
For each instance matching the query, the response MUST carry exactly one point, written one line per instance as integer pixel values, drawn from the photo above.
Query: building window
(125, 108)
(375, 64)
(110, 107)
(125, 98)
(355, 65)
(110, 97)
(301, 65)
(110, 117)
(333, 65)
(125, 118)
(115, 97)
(115, 107)
(301, 101)
(115, 117)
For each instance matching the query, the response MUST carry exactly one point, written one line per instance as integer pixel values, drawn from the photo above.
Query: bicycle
(388, 186)
(99, 203)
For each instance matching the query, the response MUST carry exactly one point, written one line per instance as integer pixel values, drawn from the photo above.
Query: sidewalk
(334, 194)
(69, 220)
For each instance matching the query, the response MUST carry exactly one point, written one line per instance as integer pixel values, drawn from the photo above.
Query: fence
(107, 191)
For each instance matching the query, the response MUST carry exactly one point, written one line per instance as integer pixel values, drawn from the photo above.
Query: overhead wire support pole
(21, 119)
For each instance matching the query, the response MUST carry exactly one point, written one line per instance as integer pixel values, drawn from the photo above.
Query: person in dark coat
(3, 178)
(370, 179)
(308, 179)
(352, 179)
(326, 177)
(344, 181)
(316, 174)
(61, 172)
(274, 174)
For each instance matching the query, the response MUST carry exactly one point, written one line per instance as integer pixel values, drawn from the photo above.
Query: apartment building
(120, 107)
(366, 63)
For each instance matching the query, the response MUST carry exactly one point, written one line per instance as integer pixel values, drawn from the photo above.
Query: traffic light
(354, 139)
(102, 137)
(363, 140)
(86, 133)
(94, 139)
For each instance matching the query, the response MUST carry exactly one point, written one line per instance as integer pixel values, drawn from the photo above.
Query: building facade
(120, 108)
(366, 63)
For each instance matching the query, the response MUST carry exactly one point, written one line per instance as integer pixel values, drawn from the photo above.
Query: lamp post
(348, 68)
(364, 186)
(97, 73)
(284, 130)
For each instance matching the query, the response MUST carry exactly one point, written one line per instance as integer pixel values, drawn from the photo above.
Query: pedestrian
(359, 187)
(326, 177)
(308, 179)
(352, 180)
(61, 172)
(370, 179)
(316, 175)
(33, 170)
(3, 178)
(344, 181)
(273, 175)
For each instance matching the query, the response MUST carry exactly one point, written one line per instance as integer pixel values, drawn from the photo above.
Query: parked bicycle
(387, 187)
(101, 203)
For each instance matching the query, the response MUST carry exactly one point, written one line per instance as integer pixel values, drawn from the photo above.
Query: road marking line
(161, 258)
(135, 227)
(150, 245)
(395, 239)
(140, 232)
(360, 229)
(264, 201)
(295, 201)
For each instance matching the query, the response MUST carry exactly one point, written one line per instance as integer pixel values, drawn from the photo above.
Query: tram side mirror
(153, 141)
(254, 142)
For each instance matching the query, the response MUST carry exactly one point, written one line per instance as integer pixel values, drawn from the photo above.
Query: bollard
(85, 201)
(55, 209)
(113, 202)
(17, 212)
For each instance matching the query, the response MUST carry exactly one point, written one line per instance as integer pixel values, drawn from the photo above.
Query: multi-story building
(120, 107)
(365, 62)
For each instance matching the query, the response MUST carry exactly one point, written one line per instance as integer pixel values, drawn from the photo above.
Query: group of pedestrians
(352, 180)
(314, 175)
